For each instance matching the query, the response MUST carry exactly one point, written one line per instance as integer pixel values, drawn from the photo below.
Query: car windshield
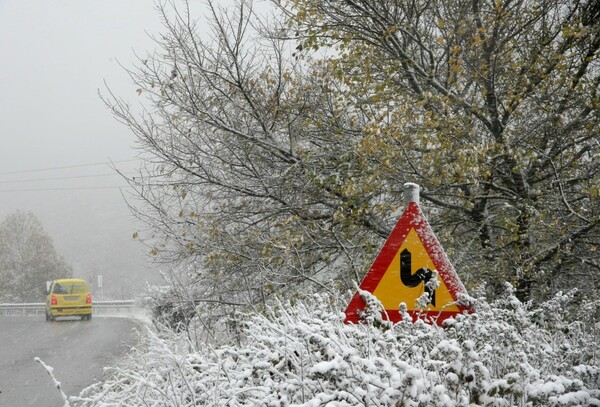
(69, 288)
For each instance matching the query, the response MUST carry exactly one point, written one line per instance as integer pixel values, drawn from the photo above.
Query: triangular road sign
(409, 259)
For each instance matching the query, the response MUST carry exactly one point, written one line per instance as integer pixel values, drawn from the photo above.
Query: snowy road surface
(77, 350)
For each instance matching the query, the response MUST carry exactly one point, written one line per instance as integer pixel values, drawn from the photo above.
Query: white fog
(282, 146)
(55, 132)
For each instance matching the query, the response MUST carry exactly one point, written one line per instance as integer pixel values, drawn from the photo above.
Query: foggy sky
(54, 56)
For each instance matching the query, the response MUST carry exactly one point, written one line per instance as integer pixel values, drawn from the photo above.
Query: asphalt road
(76, 350)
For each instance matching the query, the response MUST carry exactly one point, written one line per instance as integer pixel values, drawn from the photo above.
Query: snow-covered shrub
(185, 306)
(169, 309)
(302, 354)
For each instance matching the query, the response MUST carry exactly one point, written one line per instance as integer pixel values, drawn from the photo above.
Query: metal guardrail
(37, 307)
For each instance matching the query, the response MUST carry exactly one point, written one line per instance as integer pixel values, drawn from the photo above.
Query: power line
(66, 167)
(63, 189)
(60, 178)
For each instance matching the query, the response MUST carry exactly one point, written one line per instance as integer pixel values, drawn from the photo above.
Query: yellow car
(69, 297)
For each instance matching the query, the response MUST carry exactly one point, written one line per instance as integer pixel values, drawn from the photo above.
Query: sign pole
(100, 286)
(411, 193)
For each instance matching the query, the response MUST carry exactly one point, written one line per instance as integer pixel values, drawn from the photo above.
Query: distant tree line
(276, 151)
(27, 259)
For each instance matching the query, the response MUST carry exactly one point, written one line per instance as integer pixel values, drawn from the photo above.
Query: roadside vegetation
(276, 151)
(275, 155)
(301, 353)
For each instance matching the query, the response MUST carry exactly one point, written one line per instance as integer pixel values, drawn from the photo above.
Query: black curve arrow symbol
(422, 275)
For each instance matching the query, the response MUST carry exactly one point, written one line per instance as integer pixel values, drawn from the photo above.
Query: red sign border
(412, 218)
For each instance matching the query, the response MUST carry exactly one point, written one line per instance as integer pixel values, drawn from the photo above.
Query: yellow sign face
(405, 278)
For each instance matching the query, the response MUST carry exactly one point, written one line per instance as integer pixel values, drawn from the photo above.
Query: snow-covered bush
(188, 307)
(303, 354)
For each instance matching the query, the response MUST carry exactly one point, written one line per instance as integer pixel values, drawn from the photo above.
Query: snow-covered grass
(302, 353)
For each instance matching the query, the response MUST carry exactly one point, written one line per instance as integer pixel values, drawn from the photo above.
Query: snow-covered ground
(303, 354)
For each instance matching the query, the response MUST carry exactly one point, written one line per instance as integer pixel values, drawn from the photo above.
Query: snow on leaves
(303, 355)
